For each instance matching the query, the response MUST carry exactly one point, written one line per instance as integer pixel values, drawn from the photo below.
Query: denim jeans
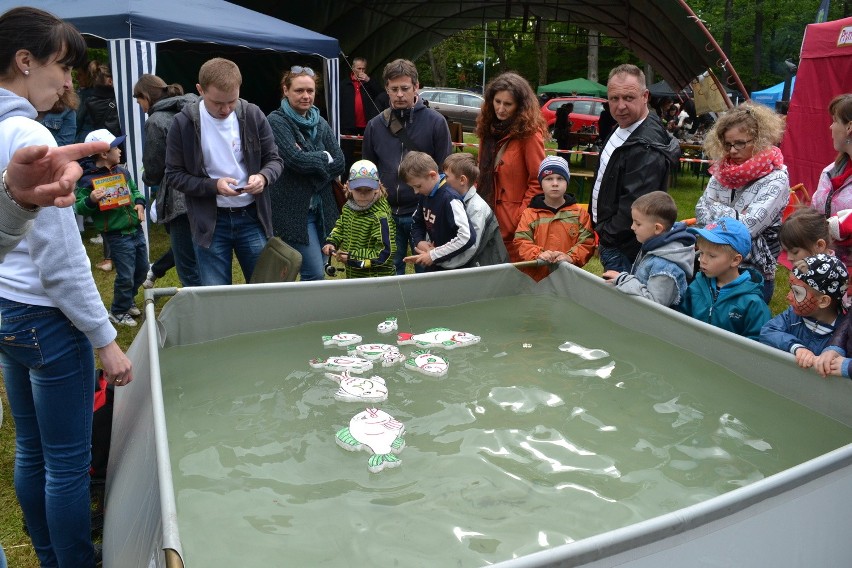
(130, 259)
(614, 259)
(313, 262)
(49, 371)
(237, 231)
(403, 240)
(180, 236)
(768, 290)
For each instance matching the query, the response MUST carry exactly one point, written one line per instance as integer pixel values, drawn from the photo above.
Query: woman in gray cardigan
(303, 207)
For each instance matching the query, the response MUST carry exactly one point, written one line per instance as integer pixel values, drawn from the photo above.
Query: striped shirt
(619, 137)
(368, 237)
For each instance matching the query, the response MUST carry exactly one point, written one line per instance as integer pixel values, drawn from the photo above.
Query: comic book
(117, 191)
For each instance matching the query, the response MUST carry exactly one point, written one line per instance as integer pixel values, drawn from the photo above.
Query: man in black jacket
(635, 160)
(358, 105)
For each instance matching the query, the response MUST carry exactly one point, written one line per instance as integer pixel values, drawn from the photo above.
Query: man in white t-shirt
(636, 159)
(221, 153)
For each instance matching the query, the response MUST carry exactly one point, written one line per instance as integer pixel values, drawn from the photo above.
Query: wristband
(12, 199)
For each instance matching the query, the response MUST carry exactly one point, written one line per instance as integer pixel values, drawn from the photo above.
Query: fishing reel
(330, 270)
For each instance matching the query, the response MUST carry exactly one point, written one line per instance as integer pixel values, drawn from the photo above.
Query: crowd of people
(228, 178)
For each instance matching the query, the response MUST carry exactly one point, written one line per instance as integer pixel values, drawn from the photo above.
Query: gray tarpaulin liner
(798, 517)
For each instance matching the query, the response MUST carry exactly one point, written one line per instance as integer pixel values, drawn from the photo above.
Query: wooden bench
(579, 177)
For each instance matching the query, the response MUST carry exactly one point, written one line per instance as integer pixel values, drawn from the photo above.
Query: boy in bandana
(817, 285)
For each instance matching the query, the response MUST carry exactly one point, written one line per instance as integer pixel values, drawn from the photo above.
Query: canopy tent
(665, 33)
(133, 28)
(771, 95)
(663, 89)
(579, 86)
(825, 71)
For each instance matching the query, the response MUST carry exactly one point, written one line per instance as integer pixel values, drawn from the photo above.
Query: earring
(26, 71)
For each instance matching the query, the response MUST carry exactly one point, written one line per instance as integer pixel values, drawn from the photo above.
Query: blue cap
(554, 165)
(726, 231)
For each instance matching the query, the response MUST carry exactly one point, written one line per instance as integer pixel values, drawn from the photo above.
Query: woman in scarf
(834, 192)
(511, 133)
(303, 207)
(749, 182)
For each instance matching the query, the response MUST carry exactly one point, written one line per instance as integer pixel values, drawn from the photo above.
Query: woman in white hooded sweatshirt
(51, 315)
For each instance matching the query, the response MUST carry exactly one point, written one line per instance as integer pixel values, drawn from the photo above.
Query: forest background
(757, 36)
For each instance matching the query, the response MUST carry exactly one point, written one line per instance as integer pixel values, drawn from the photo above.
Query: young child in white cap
(554, 228)
(363, 237)
(108, 195)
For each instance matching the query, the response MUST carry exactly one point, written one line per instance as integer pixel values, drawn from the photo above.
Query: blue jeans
(49, 371)
(237, 231)
(614, 259)
(180, 236)
(768, 290)
(130, 259)
(403, 240)
(313, 261)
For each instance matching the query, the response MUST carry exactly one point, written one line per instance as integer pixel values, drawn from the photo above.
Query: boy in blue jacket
(817, 285)
(440, 214)
(722, 294)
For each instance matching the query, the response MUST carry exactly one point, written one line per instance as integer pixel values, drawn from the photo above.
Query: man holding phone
(225, 178)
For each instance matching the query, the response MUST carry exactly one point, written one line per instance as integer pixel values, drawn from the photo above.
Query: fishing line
(405, 307)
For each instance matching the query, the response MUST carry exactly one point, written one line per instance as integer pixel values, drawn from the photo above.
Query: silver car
(456, 105)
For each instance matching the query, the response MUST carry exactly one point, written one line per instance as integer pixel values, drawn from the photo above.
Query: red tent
(825, 71)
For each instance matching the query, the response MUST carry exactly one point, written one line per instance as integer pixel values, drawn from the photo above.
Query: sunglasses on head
(302, 70)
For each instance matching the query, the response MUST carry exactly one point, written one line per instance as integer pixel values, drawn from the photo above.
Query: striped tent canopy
(133, 28)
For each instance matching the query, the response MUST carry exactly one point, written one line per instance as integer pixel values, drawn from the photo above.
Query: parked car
(586, 115)
(457, 105)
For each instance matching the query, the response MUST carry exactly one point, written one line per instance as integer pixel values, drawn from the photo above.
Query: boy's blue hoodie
(737, 307)
(662, 268)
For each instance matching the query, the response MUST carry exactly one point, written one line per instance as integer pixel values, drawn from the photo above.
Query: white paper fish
(442, 337)
(341, 339)
(359, 389)
(583, 352)
(377, 432)
(387, 354)
(351, 364)
(387, 326)
(427, 363)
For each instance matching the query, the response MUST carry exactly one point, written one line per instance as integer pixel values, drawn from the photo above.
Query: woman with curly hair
(749, 182)
(511, 134)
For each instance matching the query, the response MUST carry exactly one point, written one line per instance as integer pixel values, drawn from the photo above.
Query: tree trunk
(594, 43)
(541, 45)
(757, 42)
(496, 40)
(729, 22)
(439, 68)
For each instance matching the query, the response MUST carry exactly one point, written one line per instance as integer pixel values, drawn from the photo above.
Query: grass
(687, 190)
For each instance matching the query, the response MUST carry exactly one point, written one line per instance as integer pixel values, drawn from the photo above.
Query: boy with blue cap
(723, 294)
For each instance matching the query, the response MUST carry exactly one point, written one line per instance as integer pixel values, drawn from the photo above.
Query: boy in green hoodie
(108, 195)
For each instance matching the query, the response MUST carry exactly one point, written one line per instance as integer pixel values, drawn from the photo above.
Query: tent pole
(725, 62)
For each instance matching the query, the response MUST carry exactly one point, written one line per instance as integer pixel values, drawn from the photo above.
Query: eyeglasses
(404, 89)
(302, 70)
(736, 145)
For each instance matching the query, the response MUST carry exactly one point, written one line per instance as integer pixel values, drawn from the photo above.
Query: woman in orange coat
(511, 133)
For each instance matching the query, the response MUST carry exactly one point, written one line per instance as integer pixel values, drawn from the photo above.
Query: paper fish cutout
(341, 339)
(351, 364)
(427, 363)
(377, 432)
(583, 352)
(442, 337)
(388, 354)
(359, 389)
(387, 326)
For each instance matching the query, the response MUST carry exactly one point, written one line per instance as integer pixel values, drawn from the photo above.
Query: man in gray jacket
(407, 126)
(220, 152)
